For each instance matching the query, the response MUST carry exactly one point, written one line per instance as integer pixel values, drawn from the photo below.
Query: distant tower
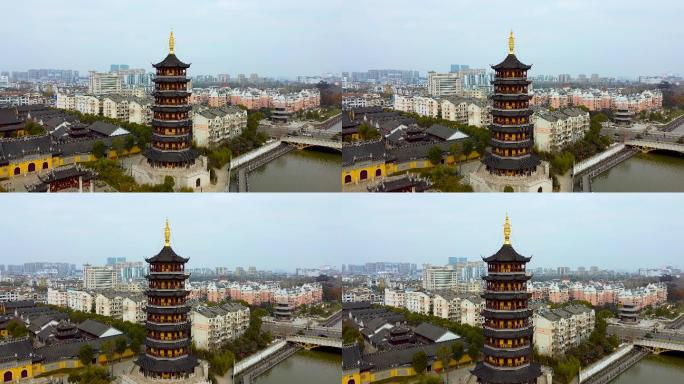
(167, 347)
(171, 152)
(508, 327)
(510, 161)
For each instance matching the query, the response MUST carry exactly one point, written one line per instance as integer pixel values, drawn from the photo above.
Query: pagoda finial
(511, 43)
(167, 234)
(172, 43)
(507, 231)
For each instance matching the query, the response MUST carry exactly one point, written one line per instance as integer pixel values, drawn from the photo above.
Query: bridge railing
(251, 155)
(598, 366)
(255, 358)
(590, 162)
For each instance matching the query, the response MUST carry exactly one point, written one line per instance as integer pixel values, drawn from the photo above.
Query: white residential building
(87, 104)
(79, 301)
(133, 309)
(140, 110)
(395, 298)
(471, 310)
(214, 125)
(109, 304)
(554, 130)
(213, 327)
(557, 330)
(418, 302)
(57, 297)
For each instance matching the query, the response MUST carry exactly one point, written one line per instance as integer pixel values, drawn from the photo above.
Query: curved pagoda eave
(511, 62)
(171, 61)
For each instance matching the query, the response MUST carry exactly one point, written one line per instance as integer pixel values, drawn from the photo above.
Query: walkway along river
(309, 170)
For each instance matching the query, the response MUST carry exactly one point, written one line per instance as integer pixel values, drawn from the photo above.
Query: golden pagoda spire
(167, 234)
(507, 231)
(172, 43)
(511, 43)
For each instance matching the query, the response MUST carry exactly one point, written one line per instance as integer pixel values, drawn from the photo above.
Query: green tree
(169, 183)
(456, 150)
(33, 128)
(468, 148)
(435, 155)
(99, 149)
(508, 188)
(457, 350)
(366, 132)
(95, 375)
(419, 362)
(120, 345)
(118, 144)
(16, 328)
(86, 354)
(129, 142)
(473, 351)
(443, 354)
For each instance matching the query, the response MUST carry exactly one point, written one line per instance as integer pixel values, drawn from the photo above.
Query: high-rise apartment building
(100, 277)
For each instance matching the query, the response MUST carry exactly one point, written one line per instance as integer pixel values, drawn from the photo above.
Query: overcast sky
(295, 37)
(268, 37)
(286, 231)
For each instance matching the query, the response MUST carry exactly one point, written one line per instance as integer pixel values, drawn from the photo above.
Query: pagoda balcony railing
(149, 288)
(151, 273)
(506, 348)
(503, 310)
(505, 328)
(510, 78)
(167, 341)
(507, 142)
(182, 322)
(511, 125)
(507, 367)
(153, 306)
(180, 357)
(510, 109)
(495, 291)
(511, 93)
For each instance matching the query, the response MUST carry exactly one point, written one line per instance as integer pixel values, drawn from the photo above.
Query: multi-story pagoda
(170, 152)
(510, 162)
(167, 346)
(508, 326)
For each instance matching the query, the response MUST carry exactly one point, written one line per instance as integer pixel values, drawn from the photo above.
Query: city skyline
(314, 37)
(556, 37)
(477, 222)
(210, 34)
(282, 233)
(214, 231)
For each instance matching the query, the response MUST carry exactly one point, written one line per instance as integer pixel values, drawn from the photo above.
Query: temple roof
(149, 364)
(511, 62)
(171, 156)
(512, 163)
(167, 255)
(491, 375)
(507, 253)
(171, 61)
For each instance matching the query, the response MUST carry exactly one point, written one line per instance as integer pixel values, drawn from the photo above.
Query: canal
(305, 367)
(310, 170)
(650, 172)
(661, 369)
